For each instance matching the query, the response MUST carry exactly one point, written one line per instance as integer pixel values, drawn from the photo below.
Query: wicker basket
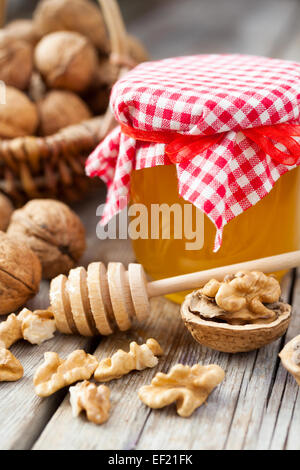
(53, 166)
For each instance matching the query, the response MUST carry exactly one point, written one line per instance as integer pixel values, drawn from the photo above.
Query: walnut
(22, 29)
(18, 116)
(94, 400)
(121, 363)
(53, 231)
(66, 60)
(16, 61)
(6, 209)
(11, 369)
(20, 274)
(37, 326)
(56, 373)
(188, 386)
(60, 109)
(247, 297)
(37, 88)
(98, 100)
(10, 331)
(290, 357)
(79, 15)
(106, 74)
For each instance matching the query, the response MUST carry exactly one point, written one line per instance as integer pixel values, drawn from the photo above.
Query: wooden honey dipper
(99, 301)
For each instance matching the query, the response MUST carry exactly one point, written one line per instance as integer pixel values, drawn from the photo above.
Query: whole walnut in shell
(16, 61)
(18, 116)
(66, 60)
(53, 231)
(6, 209)
(20, 274)
(22, 29)
(59, 109)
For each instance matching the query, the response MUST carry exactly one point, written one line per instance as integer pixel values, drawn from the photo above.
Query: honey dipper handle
(198, 279)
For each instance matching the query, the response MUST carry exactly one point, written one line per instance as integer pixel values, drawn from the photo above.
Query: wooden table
(258, 404)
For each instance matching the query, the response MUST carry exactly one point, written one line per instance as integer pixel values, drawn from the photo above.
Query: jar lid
(220, 115)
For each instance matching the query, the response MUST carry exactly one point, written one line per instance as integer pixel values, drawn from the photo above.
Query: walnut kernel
(121, 363)
(56, 373)
(188, 386)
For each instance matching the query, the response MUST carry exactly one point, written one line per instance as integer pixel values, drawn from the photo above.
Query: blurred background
(177, 27)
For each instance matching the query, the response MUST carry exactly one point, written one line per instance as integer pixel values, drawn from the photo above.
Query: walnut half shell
(234, 338)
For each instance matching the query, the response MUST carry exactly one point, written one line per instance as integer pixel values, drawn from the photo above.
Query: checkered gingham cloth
(201, 95)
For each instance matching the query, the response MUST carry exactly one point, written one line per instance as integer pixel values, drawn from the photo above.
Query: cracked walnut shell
(121, 363)
(56, 373)
(20, 274)
(94, 400)
(290, 358)
(188, 386)
(11, 369)
(53, 231)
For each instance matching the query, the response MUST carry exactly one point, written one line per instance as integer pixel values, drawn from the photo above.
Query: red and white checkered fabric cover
(201, 95)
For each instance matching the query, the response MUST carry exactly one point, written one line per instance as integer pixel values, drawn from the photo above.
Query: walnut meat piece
(94, 400)
(78, 15)
(121, 363)
(53, 231)
(188, 386)
(56, 373)
(11, 369)
(16, 61)
(20, 274)
(6, 210)
(60, 109)
(37, 326)
(290, 357)
(18, 116)
(66, 60)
